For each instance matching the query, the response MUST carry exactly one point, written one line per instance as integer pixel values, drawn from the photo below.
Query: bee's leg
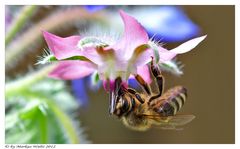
(159, 79)
(143, 84)
(136, 94)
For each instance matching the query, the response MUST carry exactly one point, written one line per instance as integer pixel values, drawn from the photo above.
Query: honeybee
(139, 111)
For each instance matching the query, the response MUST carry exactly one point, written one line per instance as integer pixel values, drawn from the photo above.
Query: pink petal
(144, 72)
(189, 45)
(167, 55)
(92, 54)
(145, 57)
(134, 35)
(68, 70)
(62, 47)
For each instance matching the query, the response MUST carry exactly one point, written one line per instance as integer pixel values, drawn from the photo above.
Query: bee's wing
(170, 122)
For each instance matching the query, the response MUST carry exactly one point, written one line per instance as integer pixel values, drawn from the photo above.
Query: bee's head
(122, 106)
(121, 102)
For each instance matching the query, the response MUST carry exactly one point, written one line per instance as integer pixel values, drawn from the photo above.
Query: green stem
(27, 81)
(19, 22)
(66, 122)
(43, 128)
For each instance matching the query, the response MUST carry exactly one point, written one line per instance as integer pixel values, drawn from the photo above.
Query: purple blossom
(168, 23)
(123, 58)
(94, 8)
(8, 18)
(80, 91)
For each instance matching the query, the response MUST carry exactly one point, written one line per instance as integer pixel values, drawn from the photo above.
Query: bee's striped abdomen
(170, 102)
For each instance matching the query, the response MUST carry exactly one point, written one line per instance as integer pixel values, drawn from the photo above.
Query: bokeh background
(208, 75)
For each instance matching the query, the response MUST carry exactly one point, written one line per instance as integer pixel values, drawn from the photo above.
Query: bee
(140, 111)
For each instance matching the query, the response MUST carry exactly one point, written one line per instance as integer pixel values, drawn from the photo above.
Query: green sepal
(81, 58)
(172, 66)
(154, 47)
(52, 58)
(95, 78)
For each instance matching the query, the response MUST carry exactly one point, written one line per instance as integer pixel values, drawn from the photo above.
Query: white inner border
(125, 2)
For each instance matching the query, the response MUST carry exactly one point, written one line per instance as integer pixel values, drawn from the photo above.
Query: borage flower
(81, 56)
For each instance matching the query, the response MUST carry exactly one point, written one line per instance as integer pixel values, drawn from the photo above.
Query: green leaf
(11, 120)
(16, 136)
(44, 108)
(30, 110)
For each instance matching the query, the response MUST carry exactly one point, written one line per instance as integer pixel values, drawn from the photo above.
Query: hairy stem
(27, 81)
(19, 22)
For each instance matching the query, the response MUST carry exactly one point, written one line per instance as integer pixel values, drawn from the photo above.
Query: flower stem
(22, 83)
(19, 22)
(66, 122)
(43, 128)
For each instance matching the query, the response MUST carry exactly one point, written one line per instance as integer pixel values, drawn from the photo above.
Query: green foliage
(42, 114)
